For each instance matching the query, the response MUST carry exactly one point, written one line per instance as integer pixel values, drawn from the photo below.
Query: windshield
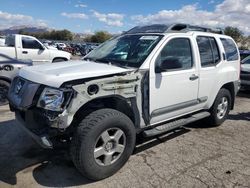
(126, 50)
(247, 61)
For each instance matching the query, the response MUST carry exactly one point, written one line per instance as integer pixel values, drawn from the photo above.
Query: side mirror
(41, 47)
(168, 64)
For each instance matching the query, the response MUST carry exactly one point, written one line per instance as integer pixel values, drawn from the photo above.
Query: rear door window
(209, 51)
(230, 49)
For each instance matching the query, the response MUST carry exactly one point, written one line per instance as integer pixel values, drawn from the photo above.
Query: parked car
(2, 41)
(70, 49)
(8, 70)
(87, 48)
(60, 46)
(244, 54)
(149, 80)
(245, 73)
(23, 47)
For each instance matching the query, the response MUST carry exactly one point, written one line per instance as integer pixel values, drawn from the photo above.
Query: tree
(235, 33)
(100, 37)
(51, 35)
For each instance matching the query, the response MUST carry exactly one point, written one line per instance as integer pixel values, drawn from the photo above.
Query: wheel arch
(230, 87)
(5, 79)
(64, 58)
(119, 103)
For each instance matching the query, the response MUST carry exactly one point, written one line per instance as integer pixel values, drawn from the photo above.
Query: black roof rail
(187, 27)
(178, 27)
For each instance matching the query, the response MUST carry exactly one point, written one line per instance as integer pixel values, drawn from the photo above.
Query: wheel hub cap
(222, 108)
(109, 146)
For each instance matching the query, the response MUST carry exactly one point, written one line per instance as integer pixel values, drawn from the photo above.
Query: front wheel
(221, 107)
(103, 143)
(4, 88)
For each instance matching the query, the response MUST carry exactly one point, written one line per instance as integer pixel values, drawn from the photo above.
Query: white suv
(150, 80)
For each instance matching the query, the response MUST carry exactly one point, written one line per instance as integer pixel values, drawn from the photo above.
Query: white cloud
(9, 20)
(211, 2)
(228, 13)
(74, 15)
(88, 32)
(111, 19)
(81, 5)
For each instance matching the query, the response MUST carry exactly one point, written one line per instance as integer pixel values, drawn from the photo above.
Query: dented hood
(56, 74)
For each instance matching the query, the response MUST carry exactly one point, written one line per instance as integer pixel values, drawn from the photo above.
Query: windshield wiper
(118, 63)
(89, 59)
(103, 60)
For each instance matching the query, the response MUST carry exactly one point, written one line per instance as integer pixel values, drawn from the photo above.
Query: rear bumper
(43, 139)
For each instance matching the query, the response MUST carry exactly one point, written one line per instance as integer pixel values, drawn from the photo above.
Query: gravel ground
(195, 156)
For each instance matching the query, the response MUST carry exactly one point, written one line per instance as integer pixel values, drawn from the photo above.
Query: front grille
(22, 92)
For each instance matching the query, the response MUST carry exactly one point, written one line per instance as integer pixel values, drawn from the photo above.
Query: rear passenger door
(210, 58)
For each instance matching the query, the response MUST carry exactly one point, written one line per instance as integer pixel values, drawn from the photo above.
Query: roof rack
(188, 27)
(178, 27)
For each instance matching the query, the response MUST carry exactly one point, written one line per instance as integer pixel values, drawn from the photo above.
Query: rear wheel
(220, 108)
(103, 143)
(4, 88)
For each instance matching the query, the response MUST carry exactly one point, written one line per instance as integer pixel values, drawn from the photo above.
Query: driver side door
(33, 50)
(174, 88)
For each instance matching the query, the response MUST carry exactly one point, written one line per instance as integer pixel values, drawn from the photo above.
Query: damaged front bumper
(39, 123)
(42, 140)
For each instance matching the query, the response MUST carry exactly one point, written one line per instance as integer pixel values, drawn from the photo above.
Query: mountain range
(24, 28)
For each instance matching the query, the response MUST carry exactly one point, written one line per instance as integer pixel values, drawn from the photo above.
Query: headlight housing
(51, 99)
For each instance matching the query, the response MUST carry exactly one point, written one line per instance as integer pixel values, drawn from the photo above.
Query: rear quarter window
(230, 49)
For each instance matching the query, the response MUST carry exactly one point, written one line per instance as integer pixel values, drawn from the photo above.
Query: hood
(51, 48)
(56, 74)
(245, 67)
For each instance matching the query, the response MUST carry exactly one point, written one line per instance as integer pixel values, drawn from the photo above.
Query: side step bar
(175, 124)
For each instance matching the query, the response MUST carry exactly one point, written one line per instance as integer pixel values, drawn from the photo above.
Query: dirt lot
(195, 156)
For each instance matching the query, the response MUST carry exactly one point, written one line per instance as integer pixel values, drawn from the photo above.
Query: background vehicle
(24, 47)
(60, 46)
(245, 73)
(87, 48)
(8, 70)
(2, 41)
(244, 54)
(150, 80)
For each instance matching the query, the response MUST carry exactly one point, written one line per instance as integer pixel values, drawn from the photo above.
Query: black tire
(58, 60)
(4, 88)
(86, 138)
(214, 120)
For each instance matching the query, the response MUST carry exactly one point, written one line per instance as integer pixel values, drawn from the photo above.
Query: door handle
(25, 52)
(193, 77)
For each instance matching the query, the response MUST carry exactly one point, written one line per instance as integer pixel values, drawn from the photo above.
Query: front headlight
(51, 99)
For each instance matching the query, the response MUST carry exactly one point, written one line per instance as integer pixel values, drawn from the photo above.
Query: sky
(115, 16)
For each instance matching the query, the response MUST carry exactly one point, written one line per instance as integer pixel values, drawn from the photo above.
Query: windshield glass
(247, 61)
(126, 50)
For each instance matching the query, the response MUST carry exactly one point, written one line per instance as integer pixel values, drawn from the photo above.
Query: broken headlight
(51, 99)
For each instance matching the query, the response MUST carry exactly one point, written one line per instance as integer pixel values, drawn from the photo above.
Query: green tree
(100, 37)
(235, 33)
(51, 35)
(22, 32)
